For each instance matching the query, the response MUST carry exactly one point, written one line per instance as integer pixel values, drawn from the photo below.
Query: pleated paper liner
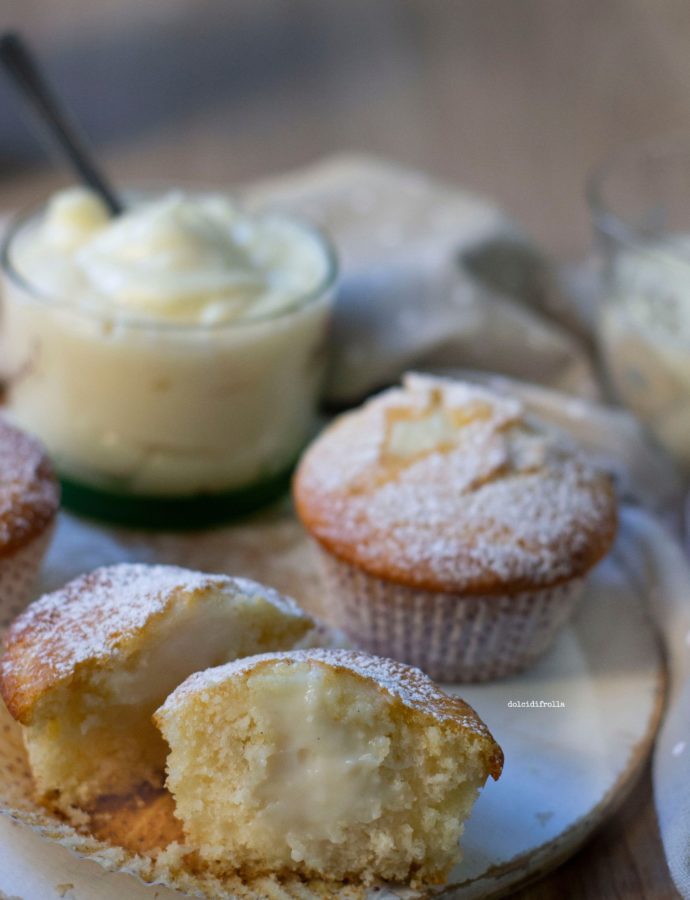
(451, 637)
(19, 574)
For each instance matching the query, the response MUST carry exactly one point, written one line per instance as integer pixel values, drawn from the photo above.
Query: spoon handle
(53, 119)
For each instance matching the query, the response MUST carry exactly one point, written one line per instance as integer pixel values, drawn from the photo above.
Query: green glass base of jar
(172, 513)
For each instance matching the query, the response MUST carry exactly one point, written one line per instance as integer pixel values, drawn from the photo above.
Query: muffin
(85, 667)
(29, 500)
(456, 530)
(328, 764)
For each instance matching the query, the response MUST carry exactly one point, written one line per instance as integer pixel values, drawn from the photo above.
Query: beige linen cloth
(431, 274)
(435, 277)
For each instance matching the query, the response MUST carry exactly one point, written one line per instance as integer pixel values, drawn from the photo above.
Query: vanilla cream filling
(436, 422)
(188, 640)
(432, 430)
(320, 776)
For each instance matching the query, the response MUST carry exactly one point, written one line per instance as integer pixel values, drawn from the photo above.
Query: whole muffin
(29, 501)
(456, 530)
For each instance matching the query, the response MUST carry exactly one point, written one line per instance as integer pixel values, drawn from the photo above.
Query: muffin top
(29, 491)
(409, 687)
(110, 614)
(449, 487)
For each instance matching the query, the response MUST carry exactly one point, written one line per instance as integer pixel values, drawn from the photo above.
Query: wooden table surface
(518, 100)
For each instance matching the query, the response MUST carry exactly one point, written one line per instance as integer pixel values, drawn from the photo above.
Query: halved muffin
(324, 763)
(29, 500)
(85, 667)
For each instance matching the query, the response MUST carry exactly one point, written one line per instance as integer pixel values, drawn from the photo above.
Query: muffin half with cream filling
(85, 667)
(327, 763)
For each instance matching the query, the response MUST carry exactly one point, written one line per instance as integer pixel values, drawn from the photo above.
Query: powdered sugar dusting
(503, 502)
(405, 683)
(29, 493)
(94, 617)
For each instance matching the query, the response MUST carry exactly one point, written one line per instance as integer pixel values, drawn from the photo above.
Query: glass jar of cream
(170, 359)
(641, 208)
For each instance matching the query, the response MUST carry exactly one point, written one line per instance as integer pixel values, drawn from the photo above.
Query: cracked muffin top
(450, 487)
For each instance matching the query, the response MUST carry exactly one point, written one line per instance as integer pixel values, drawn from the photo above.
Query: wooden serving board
(570, 757)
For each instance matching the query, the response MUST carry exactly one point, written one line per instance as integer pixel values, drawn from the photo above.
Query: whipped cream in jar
(644, 333)
(171, 358)
(640, 201)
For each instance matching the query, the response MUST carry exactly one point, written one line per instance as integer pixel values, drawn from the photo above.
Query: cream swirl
(188, 257)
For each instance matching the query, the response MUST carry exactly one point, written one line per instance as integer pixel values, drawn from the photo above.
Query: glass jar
(640, 202)
(163, 423)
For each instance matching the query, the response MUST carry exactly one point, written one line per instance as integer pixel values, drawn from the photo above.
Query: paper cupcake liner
(451, 637)
(18, 575)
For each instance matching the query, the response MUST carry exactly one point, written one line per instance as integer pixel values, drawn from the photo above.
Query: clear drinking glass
(163, 423)
(640, 202)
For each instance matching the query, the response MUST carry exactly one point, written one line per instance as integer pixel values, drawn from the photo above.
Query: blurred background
(514, 98)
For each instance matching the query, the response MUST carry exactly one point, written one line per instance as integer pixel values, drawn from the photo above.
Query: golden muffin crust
(29, 491)
(449, 487)
(410, 687)
(102, 615)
